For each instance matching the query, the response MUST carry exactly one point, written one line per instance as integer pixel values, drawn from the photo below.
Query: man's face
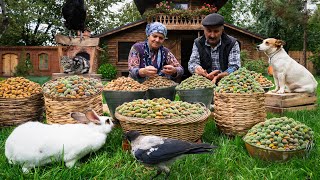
(155, 40)
(213, 34)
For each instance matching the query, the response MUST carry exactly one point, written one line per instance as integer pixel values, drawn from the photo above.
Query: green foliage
(36, 22)
(257, 65)
(108, 71)
(24, 66)
(315, 59)
(103, 55)
(39, 79)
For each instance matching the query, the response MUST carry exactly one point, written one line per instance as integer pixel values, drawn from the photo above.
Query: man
(215, 54)
(151, 58)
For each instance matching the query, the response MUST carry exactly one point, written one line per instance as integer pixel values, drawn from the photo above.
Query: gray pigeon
(160, 152)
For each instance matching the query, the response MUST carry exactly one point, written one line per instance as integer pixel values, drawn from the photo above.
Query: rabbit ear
(93, 116)
(80, 117)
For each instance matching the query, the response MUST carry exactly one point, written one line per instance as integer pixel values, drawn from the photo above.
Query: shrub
(257, 65)
(315, 59)
(24, 66)
(108, 71)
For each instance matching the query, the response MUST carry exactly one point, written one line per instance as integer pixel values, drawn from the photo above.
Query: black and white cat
(75, 65)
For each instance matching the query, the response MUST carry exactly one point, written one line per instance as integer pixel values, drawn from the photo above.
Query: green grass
(231, 160)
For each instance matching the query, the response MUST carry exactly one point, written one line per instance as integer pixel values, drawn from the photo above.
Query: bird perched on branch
(160, 152)
(74, 13)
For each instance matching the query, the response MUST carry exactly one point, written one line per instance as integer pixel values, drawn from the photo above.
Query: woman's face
(155, 40)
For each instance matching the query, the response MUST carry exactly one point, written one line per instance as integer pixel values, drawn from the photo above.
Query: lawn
(230, 161)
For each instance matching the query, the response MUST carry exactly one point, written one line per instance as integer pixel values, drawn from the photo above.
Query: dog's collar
(271, 56)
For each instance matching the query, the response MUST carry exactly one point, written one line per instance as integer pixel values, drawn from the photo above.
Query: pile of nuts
(240, 81)
(280, 134)
(18, 87)
(160, 108)
(72, 87)
(195, 82)
(159, 82)
(125, 84)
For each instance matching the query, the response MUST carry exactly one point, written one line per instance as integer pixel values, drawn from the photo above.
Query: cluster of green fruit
(195, 82)
(240, 81)
(73, 87)
(160, 108)
(263, 81)
(280, 134)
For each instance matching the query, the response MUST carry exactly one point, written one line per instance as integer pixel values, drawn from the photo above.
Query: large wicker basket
(16, 111)
(188, 129)
(235, 114)
(58, 109)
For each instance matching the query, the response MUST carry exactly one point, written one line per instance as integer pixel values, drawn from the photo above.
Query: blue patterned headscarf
(156, 27)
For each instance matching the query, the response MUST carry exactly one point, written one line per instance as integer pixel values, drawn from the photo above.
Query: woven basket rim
(237, 94)
(26, 98)
(194, 89)
(65, 98)
(154, 121)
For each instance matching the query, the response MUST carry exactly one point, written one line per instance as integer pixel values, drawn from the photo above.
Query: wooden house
(181, 34)
(45, 60)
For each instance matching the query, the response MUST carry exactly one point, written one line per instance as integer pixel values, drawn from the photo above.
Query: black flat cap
(213, 19)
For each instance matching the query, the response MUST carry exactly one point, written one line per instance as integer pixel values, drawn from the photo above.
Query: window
(181, 6)
(123, 51)
(43, 61)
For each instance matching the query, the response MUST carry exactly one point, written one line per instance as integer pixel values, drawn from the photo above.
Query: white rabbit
(34, 144)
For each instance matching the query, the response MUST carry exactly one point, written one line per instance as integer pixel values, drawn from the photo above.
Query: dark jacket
(227, 42)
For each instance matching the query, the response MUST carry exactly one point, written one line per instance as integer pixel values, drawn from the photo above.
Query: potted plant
(108, 71)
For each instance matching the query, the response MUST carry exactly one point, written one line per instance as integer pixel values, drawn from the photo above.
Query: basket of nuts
(163, 117)
(196, 89)
(238, 103)
(160, 86)
(122, 89)
(279, 139)
(71, 94)
(21, 100)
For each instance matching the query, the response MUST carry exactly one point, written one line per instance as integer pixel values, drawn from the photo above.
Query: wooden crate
(279, 103)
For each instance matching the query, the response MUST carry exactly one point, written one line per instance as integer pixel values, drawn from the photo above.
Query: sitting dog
(289, 75)
(76, 65)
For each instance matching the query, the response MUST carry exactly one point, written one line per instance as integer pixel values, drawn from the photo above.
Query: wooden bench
(279, 103)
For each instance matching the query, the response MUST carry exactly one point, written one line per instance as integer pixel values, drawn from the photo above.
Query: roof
(137, 23)
(142, 5)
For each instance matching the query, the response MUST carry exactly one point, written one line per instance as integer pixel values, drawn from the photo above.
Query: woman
(151, 58)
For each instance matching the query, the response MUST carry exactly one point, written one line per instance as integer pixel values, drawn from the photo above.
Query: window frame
(118, 51)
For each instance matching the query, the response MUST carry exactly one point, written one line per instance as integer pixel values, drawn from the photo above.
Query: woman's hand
(169, 70)
(149, 71)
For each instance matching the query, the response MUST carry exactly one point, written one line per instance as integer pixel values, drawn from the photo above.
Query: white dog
(289, 75)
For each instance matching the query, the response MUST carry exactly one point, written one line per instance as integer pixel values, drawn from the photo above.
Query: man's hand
(213, 74)
(217, 78)
(199, 70)
(169, 70)
(149, 71)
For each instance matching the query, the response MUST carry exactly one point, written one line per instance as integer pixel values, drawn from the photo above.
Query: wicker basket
(16, 111)
(58, 109)
(235, 114)
(188, 129)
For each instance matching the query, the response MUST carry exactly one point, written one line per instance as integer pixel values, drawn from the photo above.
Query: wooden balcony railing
(175, 22)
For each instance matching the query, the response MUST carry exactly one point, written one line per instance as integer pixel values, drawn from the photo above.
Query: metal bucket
(116, 98)
(204, 95)
(167, 92)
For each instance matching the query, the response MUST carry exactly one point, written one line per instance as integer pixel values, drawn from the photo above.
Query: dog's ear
(279, 43)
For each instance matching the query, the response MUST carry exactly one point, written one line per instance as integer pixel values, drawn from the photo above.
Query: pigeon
(160, 152)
